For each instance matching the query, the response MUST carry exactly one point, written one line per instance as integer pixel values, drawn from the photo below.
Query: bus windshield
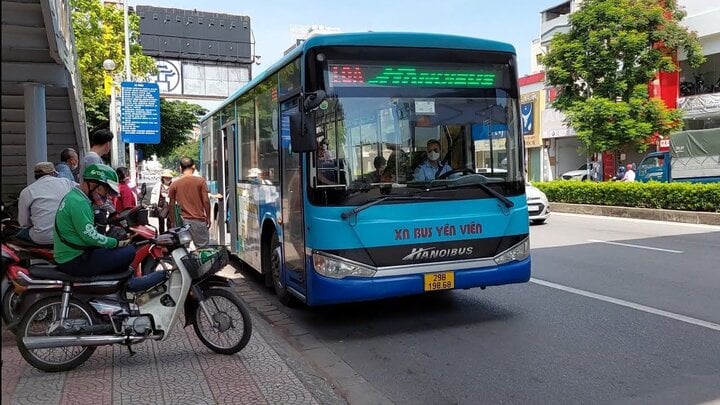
(394, 128)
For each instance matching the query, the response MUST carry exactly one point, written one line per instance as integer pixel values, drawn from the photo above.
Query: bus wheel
(275, 267)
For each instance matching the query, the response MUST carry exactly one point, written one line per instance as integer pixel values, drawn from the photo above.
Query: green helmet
(103, 174)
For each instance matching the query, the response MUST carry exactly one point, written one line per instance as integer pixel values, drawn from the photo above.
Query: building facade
(694, 90)
(202, 57)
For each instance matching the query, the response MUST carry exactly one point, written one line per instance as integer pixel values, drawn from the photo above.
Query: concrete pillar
(35, 127)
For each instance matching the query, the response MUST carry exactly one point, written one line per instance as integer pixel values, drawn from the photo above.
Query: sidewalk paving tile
(180, 370)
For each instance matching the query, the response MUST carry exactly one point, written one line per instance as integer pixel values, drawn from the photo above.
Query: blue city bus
(372, 165)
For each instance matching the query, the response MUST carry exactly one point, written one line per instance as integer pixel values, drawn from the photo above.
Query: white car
(582, 173)
(538, 205)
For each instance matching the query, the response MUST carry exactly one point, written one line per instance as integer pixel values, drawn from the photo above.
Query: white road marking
(639, 307)
(635, 246)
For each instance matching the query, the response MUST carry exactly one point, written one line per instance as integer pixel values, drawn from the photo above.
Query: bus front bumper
(326, 291)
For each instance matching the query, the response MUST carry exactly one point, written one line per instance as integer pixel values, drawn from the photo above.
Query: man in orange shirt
(191, 193)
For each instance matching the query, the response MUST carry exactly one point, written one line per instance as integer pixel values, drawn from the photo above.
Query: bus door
(221, 177)
(230, 189)
(293, 239)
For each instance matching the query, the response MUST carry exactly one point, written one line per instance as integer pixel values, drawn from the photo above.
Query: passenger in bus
(378, 175)
(432, 167)
(326, 173)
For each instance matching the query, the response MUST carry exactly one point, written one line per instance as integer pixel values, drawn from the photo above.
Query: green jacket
(76, 223)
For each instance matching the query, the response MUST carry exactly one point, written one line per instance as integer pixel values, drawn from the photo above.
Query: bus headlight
(331, 267)
(521, 251)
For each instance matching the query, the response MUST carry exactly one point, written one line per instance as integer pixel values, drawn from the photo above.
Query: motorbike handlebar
(143, 242)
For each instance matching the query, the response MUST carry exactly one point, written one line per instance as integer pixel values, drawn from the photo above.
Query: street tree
(602, 67)
(177, 121)
(99, 35)
(190, 149)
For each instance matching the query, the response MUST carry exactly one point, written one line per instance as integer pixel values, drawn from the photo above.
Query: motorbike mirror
(143, 189)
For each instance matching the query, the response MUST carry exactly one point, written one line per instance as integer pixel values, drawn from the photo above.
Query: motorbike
(148, 258)
(17, 254)
(134, 221)
(114, 309)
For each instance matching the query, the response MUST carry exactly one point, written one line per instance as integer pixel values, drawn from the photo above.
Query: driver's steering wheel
(464, 170)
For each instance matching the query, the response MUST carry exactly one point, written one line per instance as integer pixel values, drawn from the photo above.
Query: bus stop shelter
(42, 107)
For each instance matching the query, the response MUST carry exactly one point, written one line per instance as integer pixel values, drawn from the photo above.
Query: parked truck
(694, 156)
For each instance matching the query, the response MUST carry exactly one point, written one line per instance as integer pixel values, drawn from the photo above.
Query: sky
(514, 21)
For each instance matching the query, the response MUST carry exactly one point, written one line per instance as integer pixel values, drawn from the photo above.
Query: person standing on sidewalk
(100, 145)
(191, 193)
(159, 197)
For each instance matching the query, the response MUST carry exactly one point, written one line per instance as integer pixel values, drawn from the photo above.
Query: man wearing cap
(80, 250)
(39, 202)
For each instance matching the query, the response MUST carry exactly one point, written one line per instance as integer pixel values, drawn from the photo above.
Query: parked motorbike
(109, 309)
(17, 254)
(133, 222)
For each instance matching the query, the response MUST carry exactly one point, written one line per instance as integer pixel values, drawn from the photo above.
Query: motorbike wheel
(37, 321)
(230, 328)
(9, 300)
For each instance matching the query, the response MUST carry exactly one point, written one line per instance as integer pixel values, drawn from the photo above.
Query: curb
(690, 217)
(353, 387)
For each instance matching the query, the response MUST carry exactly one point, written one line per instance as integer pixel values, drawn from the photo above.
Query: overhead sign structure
(140, 112)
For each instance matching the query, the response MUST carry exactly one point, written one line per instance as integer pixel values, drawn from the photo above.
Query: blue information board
(140, 112)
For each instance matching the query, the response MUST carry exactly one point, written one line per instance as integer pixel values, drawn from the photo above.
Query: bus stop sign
(140, 112)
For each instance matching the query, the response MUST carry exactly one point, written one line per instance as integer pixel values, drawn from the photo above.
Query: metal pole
(128, 77)
(114, 128)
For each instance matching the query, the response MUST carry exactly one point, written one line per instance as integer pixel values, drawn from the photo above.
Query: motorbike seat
(26, 243)
(51, 272)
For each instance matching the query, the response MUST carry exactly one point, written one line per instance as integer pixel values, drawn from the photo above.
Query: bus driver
(430, 169)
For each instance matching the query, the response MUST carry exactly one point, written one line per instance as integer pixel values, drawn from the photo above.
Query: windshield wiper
(483, 186)
(353, 211)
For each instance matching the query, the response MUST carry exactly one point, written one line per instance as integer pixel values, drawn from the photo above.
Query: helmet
(628, 166)
(167, 173)
(102, 174)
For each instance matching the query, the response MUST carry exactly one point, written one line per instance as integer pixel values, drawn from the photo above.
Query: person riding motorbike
(79, 249)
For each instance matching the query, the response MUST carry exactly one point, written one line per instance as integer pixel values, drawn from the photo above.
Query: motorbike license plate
(440, 281)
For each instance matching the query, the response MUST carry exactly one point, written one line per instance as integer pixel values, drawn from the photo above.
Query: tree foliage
(189, 149)
(603, 65)
(99, 35)
(177, 120)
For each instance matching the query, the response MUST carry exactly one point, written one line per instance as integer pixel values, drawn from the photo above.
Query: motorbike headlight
(521, 251)
(184, 237)
(335, 268)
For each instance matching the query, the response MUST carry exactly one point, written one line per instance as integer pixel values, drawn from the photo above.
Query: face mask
(167, 182)
(99, 199)
(433, 156)
(324, 147)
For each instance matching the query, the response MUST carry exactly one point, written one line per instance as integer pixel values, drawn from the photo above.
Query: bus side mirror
(302, 133)
(313, 100)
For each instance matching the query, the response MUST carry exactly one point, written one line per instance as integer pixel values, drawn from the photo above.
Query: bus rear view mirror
(302, 133)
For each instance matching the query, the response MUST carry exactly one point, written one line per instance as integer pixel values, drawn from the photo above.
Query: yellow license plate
(440, 281)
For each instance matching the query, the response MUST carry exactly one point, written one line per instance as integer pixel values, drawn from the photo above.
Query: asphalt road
(618, 311)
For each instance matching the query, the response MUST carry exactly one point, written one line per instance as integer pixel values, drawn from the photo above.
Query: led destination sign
(355, 75)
